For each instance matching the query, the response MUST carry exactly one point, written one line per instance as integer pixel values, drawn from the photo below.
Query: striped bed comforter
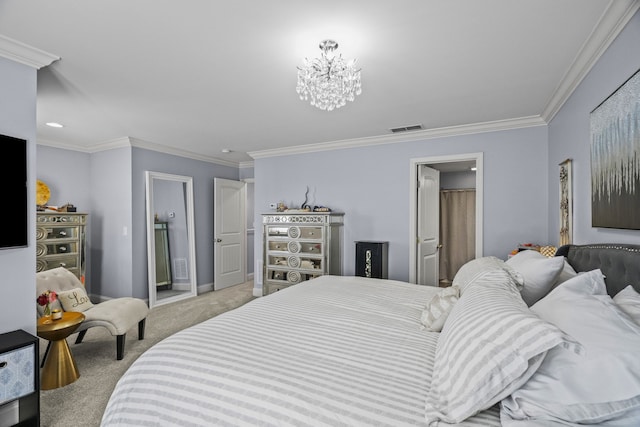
(333, 351)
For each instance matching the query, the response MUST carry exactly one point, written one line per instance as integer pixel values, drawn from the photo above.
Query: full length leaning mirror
(171, 249)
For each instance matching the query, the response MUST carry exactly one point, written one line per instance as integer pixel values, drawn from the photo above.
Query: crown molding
(62, 145)
(180, 153)
(138, 143)
(25, 54)
(498, 125)
(611, 23)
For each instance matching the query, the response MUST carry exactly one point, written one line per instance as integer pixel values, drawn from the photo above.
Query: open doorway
(460, 231)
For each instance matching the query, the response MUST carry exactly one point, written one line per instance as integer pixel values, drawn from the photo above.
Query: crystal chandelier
(328, 81)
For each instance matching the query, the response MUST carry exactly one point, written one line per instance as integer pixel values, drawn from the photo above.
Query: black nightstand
(20, 389)
(372, 259)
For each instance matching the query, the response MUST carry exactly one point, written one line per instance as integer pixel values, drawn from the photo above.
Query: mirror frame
(150, 177)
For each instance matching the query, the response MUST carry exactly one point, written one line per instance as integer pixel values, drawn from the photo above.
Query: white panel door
(229, 230)
(428, 239)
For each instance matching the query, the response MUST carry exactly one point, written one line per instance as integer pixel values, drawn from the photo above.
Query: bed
(353, 351)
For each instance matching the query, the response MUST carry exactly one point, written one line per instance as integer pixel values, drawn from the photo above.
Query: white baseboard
(205, 288)
(257, 292)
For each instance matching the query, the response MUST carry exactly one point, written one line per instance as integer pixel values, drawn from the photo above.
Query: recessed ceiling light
(54, 125)
(225, 150)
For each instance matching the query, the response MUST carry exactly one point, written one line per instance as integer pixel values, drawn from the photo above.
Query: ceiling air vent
(406, 128)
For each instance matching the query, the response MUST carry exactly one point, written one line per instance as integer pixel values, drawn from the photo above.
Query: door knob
(218, 240)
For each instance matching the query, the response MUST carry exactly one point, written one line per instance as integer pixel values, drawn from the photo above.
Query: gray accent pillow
(539, 272)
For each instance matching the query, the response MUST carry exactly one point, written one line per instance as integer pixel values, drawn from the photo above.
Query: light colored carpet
(82, 402)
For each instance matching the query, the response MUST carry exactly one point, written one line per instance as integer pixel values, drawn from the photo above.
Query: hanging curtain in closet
(457, 231)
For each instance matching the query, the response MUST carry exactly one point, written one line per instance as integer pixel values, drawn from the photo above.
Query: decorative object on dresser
(372, 259)
(20, 385)
(42, 194)
(60, 242)
(300, 246)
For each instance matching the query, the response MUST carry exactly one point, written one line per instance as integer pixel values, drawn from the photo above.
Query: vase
(47, 310)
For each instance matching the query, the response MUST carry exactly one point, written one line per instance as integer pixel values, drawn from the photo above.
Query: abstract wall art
(615, 158)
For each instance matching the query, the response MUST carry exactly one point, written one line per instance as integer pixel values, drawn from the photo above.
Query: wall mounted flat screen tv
(13, 176)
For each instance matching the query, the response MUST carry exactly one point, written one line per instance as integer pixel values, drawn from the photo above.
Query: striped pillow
(489, 346)
(477, 268)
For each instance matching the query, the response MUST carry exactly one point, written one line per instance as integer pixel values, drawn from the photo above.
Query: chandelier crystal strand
(328, 82)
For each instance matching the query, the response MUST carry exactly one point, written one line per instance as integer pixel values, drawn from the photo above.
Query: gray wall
(110, 186)
(569, 137)
(203, 174)
(111, 227)
(371, 185)
(18, 266)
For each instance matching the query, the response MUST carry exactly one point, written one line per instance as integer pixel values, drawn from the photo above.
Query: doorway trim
(413, 203)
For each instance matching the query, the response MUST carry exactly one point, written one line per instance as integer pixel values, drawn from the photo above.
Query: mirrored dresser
(299, 247)
(60, 241)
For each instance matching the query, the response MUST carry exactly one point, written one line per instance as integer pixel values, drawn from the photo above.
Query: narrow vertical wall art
(566, 204)
(615, 163)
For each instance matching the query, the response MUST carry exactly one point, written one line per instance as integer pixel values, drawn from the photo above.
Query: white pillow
(628, 300)
(539, 272)
(566, 273)
(601, 385)
(477, 268)
(75, 300)
(438, 309)
(489, 346)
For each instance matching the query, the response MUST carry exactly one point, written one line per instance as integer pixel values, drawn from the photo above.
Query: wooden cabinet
(20, 379)
(60, 242)
(299, 247)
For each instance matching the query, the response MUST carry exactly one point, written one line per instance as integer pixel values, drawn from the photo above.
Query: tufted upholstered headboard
(620, 263)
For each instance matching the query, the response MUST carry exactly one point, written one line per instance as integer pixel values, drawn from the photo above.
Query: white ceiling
(199, 76)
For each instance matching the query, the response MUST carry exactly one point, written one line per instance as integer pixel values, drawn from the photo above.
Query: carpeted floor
(81, 404)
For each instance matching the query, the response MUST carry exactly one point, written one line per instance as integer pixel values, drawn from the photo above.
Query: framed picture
(566, 204)
(615, 163)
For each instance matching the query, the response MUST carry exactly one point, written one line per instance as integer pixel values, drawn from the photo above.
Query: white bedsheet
(333, 351)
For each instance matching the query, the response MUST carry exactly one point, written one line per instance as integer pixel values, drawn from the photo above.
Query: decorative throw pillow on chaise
(490, 344)
(75, 300)
(539, 272)
(599, 386)
(438, 309)
(477, 268)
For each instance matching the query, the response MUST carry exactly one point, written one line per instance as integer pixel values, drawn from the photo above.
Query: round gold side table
(59, 367)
